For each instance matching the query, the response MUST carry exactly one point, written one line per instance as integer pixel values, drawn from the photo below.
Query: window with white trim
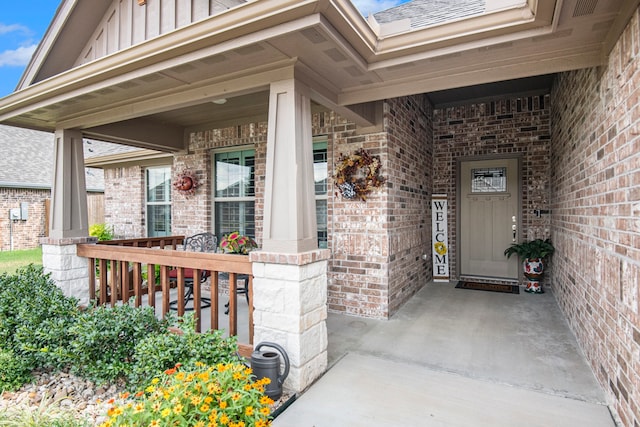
(158, 198)
(234, 193)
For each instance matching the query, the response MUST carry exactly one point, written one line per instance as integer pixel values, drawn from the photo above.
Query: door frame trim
(459, 161)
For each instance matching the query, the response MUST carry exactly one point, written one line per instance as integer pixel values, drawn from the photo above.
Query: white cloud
(367, 7)
(17, 57)
(5, 29)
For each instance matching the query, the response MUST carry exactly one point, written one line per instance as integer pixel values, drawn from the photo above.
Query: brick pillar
(290, 308)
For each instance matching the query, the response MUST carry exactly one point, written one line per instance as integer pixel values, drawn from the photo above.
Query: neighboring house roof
(424, 13)
(28, 159)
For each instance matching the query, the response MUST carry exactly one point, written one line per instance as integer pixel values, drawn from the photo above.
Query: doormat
(492, 287)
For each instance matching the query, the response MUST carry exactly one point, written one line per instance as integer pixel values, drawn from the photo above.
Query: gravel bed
(86, 400)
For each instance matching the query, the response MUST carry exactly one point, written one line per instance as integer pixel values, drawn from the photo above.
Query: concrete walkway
(453, 357)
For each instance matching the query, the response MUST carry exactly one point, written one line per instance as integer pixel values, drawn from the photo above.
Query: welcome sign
(440, 241)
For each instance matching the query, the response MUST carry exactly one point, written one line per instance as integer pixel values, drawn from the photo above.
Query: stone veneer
(290, 308)
(595, 218)
(69, 271)
(503, 127)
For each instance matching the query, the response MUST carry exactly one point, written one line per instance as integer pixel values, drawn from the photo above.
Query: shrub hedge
(42, 328)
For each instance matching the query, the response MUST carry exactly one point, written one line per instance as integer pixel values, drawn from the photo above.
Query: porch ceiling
(153, 94)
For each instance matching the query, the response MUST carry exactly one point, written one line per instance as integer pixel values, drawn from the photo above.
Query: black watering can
(266, 364)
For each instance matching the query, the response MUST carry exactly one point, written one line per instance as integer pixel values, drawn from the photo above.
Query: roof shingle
(28, 159)
(424, 13)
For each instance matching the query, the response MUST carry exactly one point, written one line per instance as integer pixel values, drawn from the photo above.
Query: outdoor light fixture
(220, 101)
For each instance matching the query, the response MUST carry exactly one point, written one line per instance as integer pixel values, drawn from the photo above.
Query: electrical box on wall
(14, 214)
(24, 211)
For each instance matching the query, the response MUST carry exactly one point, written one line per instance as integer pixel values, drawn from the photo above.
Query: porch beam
(68, 217)
(142, 133)
(289, 203)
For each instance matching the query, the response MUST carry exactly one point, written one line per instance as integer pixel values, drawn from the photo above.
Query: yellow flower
(248, 411)
(178, 409)
(265, 410)
(195, 400)
(138, 408)
(223, 404)
(235, 396)
(208, 399)
(150, 389)
(440, 248)
(155, 381)
(165, 412)
(224, 419)
(199, 424)
(205, 408)
(156, 406)
(266, 400)
(154, 423)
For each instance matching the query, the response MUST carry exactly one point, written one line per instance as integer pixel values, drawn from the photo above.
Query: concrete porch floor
(454, 357)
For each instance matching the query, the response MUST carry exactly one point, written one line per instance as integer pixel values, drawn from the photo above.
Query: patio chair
(202, 242)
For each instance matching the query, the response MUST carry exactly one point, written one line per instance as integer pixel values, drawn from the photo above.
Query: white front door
(488, 217)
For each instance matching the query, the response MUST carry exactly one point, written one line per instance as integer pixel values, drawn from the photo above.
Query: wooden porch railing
(124, 263)
(147, 242)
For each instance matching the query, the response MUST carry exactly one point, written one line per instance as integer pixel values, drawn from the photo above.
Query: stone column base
(69, 271)
(290, 309)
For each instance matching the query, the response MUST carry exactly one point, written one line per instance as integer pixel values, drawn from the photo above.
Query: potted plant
(236, 243)
(534, 254)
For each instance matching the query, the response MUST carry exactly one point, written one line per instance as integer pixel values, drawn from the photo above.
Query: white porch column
(289, 201)
(68, 220)
(290, 272)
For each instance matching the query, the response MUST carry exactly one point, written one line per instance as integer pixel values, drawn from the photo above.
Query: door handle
(515, 231)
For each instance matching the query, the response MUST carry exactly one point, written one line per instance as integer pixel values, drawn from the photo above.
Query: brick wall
(507, 127)
(124, 201)
(596, 230)
(408, 122)
(26, 234)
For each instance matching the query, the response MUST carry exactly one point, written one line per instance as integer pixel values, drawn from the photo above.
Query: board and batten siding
(126, 23)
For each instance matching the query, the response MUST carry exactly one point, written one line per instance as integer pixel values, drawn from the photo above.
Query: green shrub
(158, 352)
(102, 231)
(13, 371)
(35, 317)
(104, 339)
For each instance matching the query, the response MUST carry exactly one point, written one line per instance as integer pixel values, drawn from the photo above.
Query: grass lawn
(10, 261)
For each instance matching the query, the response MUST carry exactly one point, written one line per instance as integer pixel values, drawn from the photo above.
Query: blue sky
(23, 24)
